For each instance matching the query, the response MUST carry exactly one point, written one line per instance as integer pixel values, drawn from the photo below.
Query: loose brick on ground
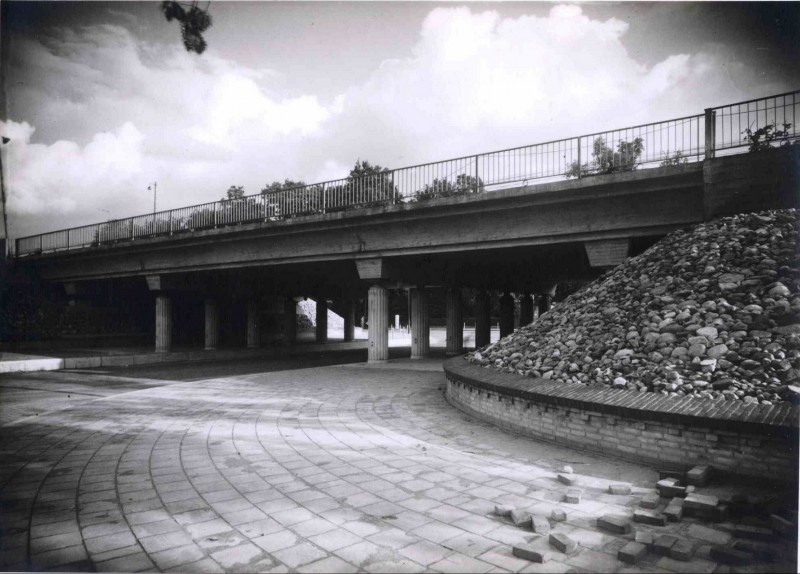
(730, 556)
(558, 515)
(682, 550)
(614, 523)
(503, 510)
(573, 496)
(530, 553)
(650, 501)
(632, 552)
(540, 525)
(674, 510)
(663, 543)
(567, 479)
(649, 517)
(520, 517)
(699, 475)
(619, 489)
(754, 532)
(562, 542)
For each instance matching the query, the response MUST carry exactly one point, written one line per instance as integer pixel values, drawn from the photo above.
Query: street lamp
(3, 195)
(154, 187)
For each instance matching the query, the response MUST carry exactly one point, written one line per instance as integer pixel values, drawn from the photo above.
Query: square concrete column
(253, 324)
(378, 311)
(322, 320)
(544, 303)
(163, 323)
(290, 320)
(348, 314)
(506, 314)
(420, 323)
(212, 325)
(525, 310)
(483, 319)
(454, 321)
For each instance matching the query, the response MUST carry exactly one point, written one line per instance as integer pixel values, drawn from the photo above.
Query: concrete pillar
(483, 319)
(253, 324)
(544, 303)
(420, 323)
(348, 314)
(212, 325)
(525, 310)
(506, 314)
(290, 320)
(455, 322)
(378, 312)
(322, 320)
(163, 323)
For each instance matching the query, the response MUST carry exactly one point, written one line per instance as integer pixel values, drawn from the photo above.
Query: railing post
(130, 229)
(170, 222)
(579, 157)
(711, 126)
(41, 248)
(324, 197)
(477, 185)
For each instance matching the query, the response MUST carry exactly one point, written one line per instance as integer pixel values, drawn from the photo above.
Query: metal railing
(667, 143)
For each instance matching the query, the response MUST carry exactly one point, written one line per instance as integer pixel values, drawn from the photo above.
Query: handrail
(668, 142)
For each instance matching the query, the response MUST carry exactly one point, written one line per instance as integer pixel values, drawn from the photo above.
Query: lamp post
(6, 246)
(154, 187)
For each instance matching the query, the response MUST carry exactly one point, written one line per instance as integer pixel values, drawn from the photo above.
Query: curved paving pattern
(333, 469)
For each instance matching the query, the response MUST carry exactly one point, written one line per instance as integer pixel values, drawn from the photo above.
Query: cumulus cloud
(120, 113)
(63, 177)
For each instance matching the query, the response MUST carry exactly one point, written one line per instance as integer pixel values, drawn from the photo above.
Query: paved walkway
(330, 469)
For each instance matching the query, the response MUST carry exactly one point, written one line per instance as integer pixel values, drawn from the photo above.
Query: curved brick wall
(670, 432)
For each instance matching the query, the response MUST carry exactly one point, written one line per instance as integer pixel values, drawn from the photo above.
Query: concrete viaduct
(521, 240)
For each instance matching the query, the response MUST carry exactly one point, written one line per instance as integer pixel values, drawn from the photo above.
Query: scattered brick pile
(751, 529)
(713, 311)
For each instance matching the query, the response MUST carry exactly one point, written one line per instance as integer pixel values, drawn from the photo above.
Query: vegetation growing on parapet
(763, 138)
(366, 185)
(464, 184)
(678, 158)
(608, 160)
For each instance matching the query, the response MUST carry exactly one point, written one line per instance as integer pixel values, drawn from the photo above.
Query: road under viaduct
(521, 240)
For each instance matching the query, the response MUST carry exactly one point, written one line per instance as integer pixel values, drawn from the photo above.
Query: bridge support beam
(506, 314)
(253, 324)
(483, 319)
(543, 301)
(212, 324)
(348, 314)
(525, 310)
(378, 312)
(163, 323)
(322, 320)
(454, 322)
(290, 321)
(420, 323)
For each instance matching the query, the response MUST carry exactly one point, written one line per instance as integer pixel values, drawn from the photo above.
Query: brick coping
(777, 419)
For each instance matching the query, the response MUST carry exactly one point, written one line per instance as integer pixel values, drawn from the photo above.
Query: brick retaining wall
(669, 432)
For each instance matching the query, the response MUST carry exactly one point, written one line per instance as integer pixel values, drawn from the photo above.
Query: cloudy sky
(101, 99)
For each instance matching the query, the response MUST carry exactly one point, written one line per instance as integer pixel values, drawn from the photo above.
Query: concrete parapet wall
(758, 441)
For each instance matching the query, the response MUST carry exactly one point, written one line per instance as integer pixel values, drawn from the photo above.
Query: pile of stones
(713, 311)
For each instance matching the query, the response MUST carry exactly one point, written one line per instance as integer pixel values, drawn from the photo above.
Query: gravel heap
(712, 311)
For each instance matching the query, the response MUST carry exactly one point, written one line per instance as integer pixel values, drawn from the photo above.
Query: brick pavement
(331, 469)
